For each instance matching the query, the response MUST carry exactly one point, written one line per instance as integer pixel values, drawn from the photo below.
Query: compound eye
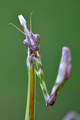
(37, 36)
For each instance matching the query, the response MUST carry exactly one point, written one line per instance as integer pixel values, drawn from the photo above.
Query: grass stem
(30, 108)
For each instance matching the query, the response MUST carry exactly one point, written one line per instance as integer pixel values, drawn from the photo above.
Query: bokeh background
(58, 23)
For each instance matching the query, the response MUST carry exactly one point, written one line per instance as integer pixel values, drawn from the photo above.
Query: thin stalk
(30, 108)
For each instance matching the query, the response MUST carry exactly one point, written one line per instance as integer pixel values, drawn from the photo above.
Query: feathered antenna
(31, 22)
(15, 26)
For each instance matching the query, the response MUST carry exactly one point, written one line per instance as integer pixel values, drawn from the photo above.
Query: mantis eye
(37, 36)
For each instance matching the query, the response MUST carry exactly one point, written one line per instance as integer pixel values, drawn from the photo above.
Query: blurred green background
(58, 23)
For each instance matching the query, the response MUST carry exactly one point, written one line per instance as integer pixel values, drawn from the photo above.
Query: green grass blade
(30, 108)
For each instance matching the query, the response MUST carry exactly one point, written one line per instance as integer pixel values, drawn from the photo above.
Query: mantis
(35, 70)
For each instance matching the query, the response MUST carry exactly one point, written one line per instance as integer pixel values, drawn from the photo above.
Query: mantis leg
(64, 73)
